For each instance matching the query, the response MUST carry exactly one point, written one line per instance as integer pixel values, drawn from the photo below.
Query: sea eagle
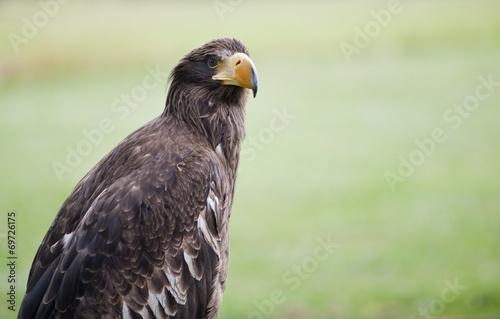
(145, 233)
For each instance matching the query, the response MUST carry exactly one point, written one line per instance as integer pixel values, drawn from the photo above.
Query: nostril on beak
(238, 63)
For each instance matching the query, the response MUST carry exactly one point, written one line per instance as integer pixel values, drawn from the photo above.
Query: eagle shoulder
(149, 244)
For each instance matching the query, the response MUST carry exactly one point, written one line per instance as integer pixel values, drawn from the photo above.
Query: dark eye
(212, 63)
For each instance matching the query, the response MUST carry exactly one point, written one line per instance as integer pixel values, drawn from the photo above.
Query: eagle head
(217, 73)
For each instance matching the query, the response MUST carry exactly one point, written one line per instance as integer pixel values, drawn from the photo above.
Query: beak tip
(254, 82)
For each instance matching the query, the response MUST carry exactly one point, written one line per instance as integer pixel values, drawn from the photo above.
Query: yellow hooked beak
(237, 70)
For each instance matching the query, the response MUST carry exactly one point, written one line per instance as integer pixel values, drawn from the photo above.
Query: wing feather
(147, 246)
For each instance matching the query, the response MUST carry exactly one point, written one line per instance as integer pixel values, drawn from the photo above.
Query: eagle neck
(230, 122)
(221, 125)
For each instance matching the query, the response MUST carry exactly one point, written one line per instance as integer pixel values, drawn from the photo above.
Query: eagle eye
(212, 63)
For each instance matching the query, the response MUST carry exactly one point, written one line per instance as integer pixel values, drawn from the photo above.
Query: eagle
(144, 234)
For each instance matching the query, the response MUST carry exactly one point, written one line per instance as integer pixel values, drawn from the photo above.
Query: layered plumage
(145, 233)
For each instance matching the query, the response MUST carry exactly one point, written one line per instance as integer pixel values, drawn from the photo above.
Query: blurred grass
(322, 175)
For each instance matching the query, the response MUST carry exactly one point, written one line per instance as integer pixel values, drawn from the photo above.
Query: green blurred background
(323, 134)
